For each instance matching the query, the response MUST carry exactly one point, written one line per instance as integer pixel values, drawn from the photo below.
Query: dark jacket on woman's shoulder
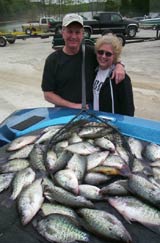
(117, 98)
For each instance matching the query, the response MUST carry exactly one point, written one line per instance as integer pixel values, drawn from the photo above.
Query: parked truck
(105, 21)
(41, 25)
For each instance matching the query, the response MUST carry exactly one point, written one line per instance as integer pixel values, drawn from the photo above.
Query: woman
(107, 95)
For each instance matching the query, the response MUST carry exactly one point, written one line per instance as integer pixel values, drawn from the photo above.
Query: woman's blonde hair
(112, 40)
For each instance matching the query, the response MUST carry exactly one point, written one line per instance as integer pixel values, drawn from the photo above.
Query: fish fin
(125, 170)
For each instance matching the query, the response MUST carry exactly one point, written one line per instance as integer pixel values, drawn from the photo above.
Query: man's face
(73, 35)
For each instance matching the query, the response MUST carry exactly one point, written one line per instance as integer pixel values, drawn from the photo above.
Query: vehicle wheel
(132, 32)
(28, 31)
(3, 41)
(11, 39)
(87, 33)
(122, 39)
(154, 27)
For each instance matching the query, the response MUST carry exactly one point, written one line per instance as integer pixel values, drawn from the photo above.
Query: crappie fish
(105, 224)
(36, 157)
(156, 173)
(122, 147)
(145, 189)
(67, 179)
(78, 164)
(136, 147)
(22, 178)
(51, 158)
(108, 170)
(60, 228)
(83, 148)
(59, 147)
(96, 159)
(47, 183)
(133, 209)
(93, 178)
(5, 180)
(30, 201)
(152, 152)
(61, 161)
(22, 153)
(75, 138)
(114, 161)
(95, 130)
(155, 163)
(124, 154)
(141, 166)
(117, 188)
(14, 165)
(21, 142)
(90, 192)
(50, 208)
(104, 143)
(47, 134)
(67, 198)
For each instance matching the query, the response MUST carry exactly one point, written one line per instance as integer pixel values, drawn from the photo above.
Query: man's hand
(118, 73)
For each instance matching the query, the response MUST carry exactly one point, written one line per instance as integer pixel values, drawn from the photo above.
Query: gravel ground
(22, 65)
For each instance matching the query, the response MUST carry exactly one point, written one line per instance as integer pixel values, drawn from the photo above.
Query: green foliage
(18, 9)
(112, 5)
(10, 9)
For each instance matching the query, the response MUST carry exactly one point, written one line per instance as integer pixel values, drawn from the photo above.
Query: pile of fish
(57, 176)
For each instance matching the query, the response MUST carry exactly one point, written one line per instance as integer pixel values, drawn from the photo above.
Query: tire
(28, 31)
(11, 39)
(87, 33)
(131, 32)
(154, 27)
(3, 41)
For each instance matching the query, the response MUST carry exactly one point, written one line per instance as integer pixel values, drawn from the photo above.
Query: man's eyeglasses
(102, 52)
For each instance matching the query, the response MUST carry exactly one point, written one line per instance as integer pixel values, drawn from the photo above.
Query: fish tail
(125, 170)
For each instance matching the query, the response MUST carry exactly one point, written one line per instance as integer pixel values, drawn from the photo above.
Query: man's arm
(118, 73)
(59, 101)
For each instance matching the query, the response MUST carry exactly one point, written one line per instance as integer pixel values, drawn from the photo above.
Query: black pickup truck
(105, 21)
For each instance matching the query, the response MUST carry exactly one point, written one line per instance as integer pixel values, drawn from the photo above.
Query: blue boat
(25, 121)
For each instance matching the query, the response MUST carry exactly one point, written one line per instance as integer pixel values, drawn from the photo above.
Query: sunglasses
(102, 52)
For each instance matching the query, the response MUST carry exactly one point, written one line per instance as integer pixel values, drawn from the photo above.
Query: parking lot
(22, 66)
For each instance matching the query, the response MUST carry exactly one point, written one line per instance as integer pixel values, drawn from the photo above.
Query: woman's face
(105, 56)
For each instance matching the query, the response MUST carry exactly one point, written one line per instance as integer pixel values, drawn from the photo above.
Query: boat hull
(25, 121)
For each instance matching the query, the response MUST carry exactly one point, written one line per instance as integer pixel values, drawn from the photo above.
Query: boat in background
(150, 23)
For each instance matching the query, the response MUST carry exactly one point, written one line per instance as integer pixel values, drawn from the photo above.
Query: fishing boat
(150, 23)
(25, 121)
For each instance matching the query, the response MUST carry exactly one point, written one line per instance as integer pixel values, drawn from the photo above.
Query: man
(62, 75)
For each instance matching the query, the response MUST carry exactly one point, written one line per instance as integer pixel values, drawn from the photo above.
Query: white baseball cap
(70, 18)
